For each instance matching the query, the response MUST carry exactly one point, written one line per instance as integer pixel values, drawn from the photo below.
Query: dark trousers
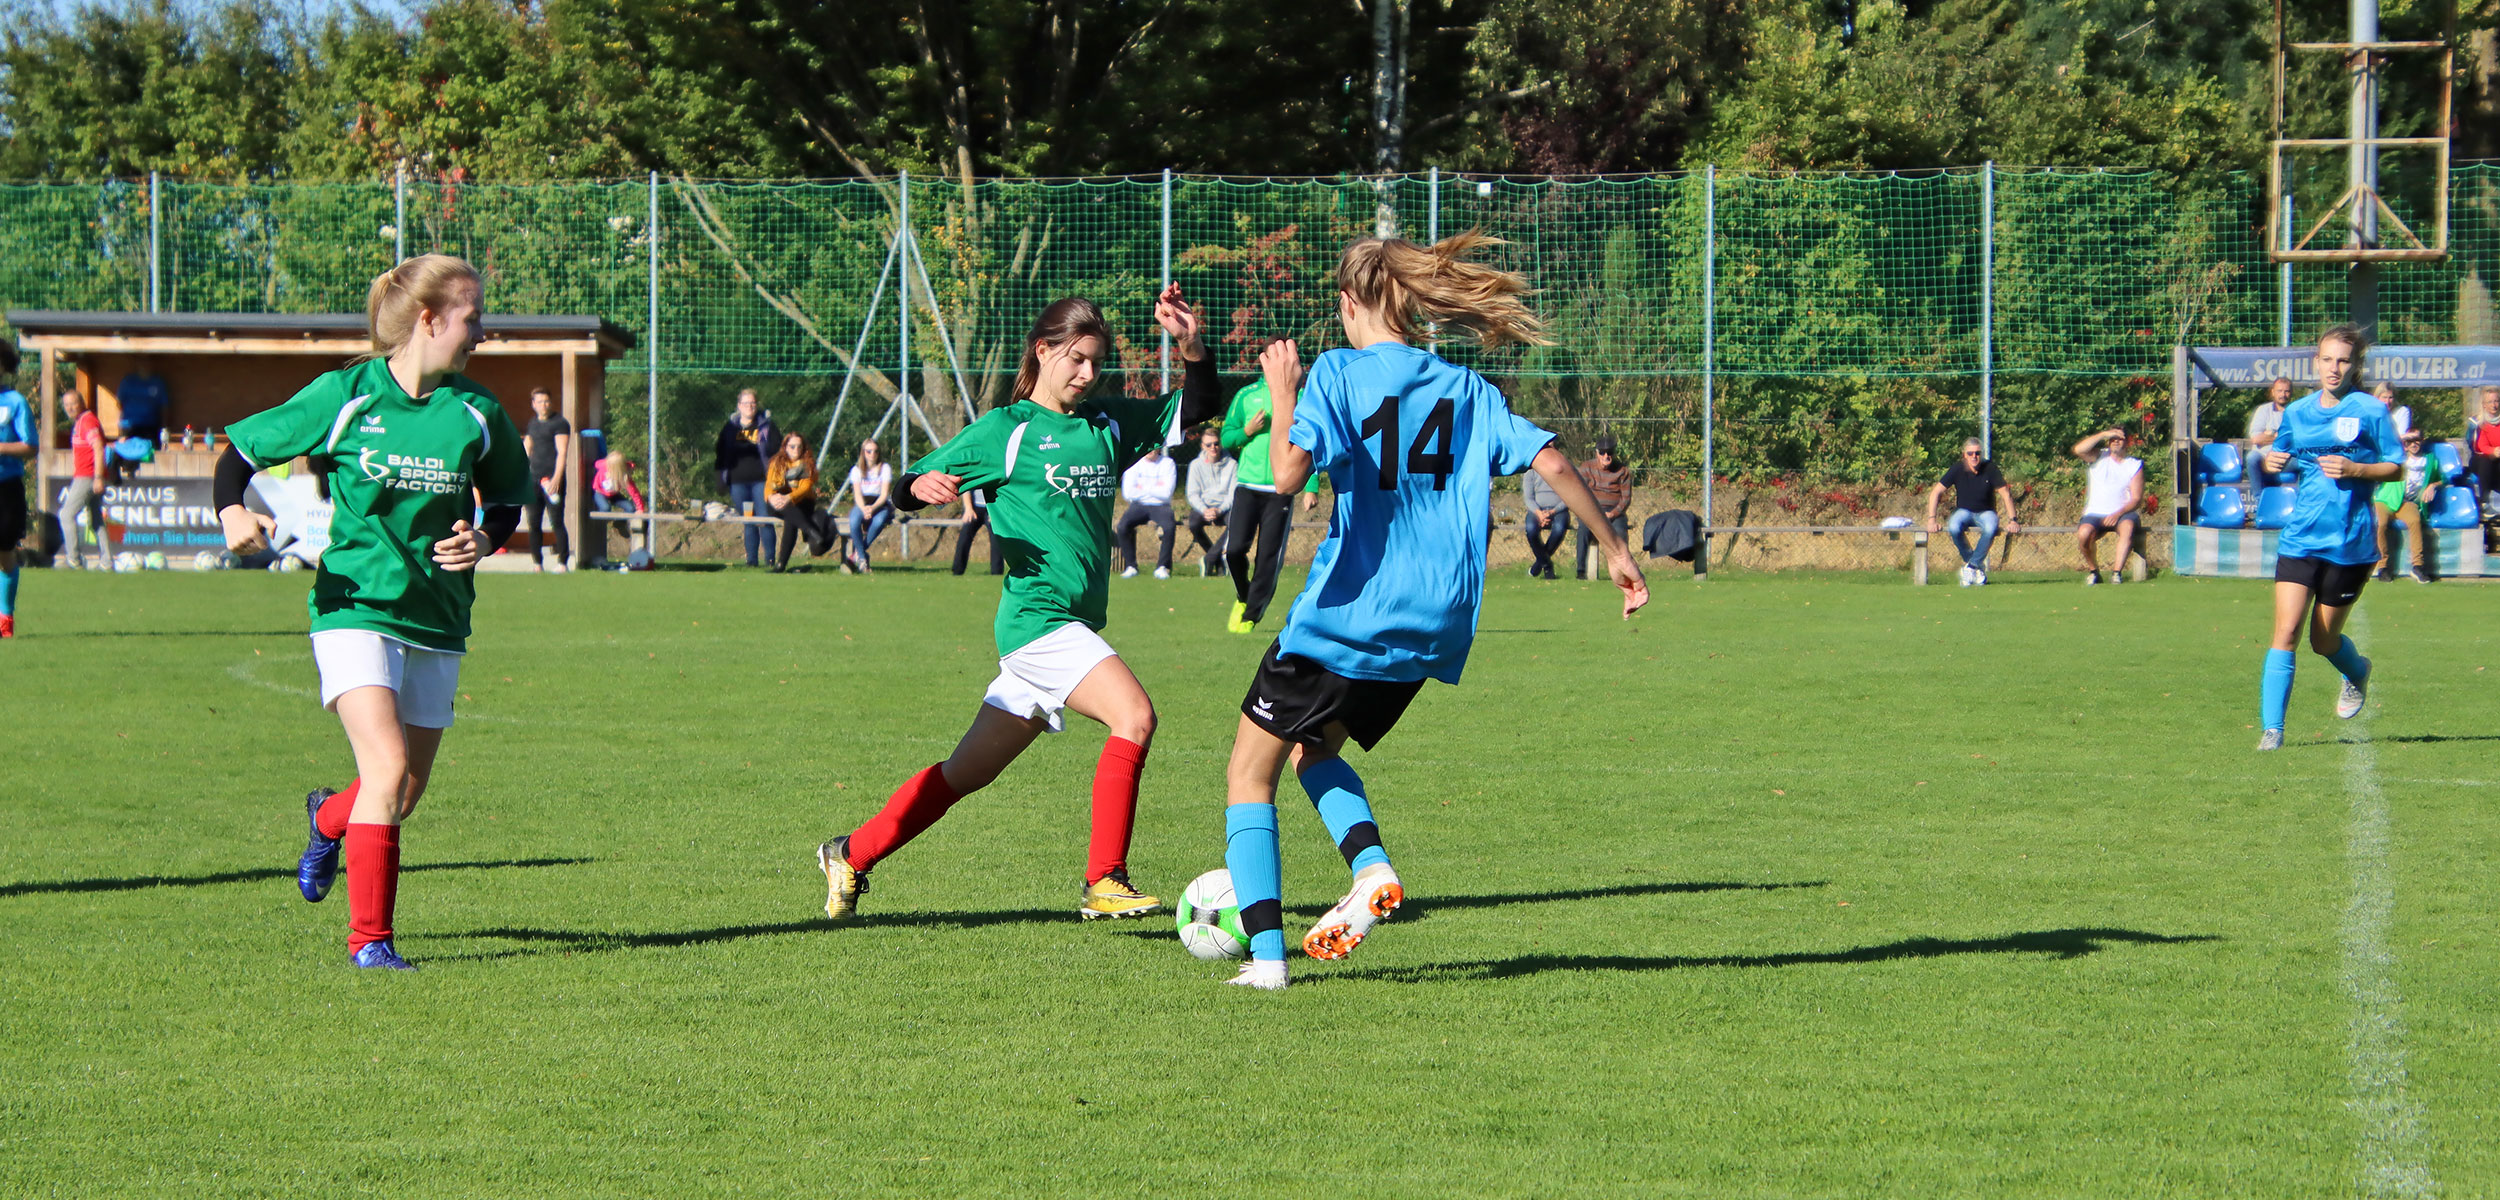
(1580, 549)
(2486, 472)
(1542, 543)
(536, 512)
(1126, 531)
(797, 518)
(1264, 517)
(963, 544)
(1198, 539)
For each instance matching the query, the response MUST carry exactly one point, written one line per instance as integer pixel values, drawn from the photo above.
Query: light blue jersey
(1411, 444)
(17, 424)
(2331, 518)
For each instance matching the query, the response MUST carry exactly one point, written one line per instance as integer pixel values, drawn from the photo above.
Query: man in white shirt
(2267, 418)
(1211, 478)
(2114, 493)
(1147, 486)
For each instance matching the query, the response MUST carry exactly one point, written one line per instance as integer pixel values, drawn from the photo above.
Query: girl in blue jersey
(1410, 442)
(2338, 449)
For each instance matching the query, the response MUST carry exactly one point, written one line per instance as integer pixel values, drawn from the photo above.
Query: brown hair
(1061, 325)
(783, 448)
(399, 295)
(1412, 287)
(2350, 335)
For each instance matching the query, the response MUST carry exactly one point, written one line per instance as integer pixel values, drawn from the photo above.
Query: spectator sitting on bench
(1147, 486)
(872, 505)
(1211, 478)
(1978, 489)
(2482, 440)
(612, 490)
(2265, 420)
(2114, 493)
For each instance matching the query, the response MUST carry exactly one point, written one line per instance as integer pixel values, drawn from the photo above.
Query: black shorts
(2336, 585)
(12, 512)
(1297, 699)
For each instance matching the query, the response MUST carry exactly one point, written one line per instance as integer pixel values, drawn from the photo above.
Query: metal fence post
(651, 360)
(1987, 305)
(156, 245)
(902, 310)
(1432, 208)
(1709, 337)
(1163, 377)
(399, 212)
(2284, 283)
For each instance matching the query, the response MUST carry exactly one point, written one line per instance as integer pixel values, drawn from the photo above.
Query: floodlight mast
(2361, 166)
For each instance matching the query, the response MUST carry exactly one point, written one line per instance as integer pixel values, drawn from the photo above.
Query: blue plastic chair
(2451, 465)
(2454, 508)
(2218, 462)
(2221, 507)
(2274, 508)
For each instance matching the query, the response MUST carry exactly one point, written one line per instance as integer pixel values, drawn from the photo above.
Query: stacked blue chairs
(2221, 507)
(2274, 507)
(2451, 465)
(2218, 462)
(2258, 474)
(2454, 508)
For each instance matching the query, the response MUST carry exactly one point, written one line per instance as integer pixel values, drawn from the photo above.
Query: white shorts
(425, 679)
(1036, 679)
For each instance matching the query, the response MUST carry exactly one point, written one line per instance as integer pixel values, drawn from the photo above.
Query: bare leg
(2291, 607)
(371, 717)
(1111, 695)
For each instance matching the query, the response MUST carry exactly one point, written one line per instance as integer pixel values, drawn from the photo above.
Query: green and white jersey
(1052, 480)
(399, 471)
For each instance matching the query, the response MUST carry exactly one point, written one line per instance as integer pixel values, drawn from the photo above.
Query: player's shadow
(2056, 943)
(585, 941)
(2435, 738)
(1422, 907)
(180, 633)
(255, 874)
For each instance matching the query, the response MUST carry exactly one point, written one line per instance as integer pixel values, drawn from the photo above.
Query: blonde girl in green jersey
(401, 438)
(1050, 460)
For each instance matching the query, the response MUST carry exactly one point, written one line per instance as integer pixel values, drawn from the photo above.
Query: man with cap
(1610, 480)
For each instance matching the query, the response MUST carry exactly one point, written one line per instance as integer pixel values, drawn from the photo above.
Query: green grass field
(1792, 887)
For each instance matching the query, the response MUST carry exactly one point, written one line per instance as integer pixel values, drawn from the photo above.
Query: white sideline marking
(2390, 1154)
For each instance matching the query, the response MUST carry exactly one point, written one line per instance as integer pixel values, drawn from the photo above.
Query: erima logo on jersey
(410, 473)
(372, 423)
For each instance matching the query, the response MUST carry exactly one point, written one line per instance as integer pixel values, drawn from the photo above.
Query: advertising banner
(2403, 366)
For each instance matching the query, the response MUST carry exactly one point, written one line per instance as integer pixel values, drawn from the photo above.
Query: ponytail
(1413, 287)
(399, 295)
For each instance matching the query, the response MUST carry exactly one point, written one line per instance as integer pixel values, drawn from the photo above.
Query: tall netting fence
(1814, 346)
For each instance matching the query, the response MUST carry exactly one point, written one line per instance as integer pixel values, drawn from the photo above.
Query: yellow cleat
(843, 883)
(1236, 623)
(1111, 896)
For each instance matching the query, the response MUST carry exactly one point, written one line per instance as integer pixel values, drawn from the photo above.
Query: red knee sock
(372, 883)
(332, 815)
(914, 807)
(1115, 806)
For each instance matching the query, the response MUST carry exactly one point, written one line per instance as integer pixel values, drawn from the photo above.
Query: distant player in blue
(17, 445)
(2338, 448)
(1410, 442)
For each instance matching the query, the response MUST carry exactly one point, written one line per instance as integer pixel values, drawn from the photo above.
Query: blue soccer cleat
(319, 868)
(380, 956)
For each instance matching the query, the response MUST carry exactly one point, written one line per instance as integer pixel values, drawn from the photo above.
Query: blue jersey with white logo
(2331, 518)
(1411, 443)
(17, 424)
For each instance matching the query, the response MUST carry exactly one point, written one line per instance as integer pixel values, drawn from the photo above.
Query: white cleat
(1377, 892)
(1265, 974)
(2348, 703)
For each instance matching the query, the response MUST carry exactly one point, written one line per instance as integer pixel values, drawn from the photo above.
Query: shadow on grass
(2435, 738)
(2057, 943)
(177, 633)
(253, 875)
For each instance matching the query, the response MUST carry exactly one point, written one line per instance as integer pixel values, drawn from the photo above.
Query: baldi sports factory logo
(410, 473)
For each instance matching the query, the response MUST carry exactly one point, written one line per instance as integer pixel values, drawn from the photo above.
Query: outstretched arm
(1291, 464)
(1556, 470)
(1202, 397)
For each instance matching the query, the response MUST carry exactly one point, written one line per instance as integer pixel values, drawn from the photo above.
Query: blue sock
(2277, 693)
(2347, 659)
(1337, 792)
(1250, 853)
(8, 592)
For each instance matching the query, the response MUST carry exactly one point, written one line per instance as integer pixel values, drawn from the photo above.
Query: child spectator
(2406, 498)
(612, 490)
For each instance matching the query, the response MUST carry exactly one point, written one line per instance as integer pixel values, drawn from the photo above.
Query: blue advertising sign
(2402, 366)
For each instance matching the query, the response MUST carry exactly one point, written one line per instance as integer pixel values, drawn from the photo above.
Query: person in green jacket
(1258, 513)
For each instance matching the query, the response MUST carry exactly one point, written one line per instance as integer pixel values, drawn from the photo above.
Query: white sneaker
(1163, 572)
(2091, 577)
(1978, 577)
(2348, 702)
(1265, 974)
(1376, 893)
(556, 568)
(1964, 575)
(1128, 573)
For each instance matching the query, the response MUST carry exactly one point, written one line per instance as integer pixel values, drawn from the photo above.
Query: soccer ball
(127, 560)
(207, 561)
(155, 561)
(1209, 919)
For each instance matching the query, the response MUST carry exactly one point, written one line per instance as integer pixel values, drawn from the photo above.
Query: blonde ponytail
(1413, 287)
(403, 293)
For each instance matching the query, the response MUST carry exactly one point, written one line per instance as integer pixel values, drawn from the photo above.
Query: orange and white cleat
(1376, 893)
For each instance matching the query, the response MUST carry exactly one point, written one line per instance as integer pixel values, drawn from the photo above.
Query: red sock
(914, 808)
(1115, 806)
(332, 815)
(372, 882)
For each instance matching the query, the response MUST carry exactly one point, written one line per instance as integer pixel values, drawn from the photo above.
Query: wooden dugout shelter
(219, 368)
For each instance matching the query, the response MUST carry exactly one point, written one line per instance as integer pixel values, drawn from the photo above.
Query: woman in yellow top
(790, 494)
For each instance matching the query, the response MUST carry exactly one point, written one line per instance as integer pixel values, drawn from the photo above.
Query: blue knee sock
(1250, 853)
(8, 592)
(2347, 659)
(2277, 692)
(1337, 792)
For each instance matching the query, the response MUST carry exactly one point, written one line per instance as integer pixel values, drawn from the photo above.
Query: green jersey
(399, 471)
(1251, 448)
(1052, 479)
